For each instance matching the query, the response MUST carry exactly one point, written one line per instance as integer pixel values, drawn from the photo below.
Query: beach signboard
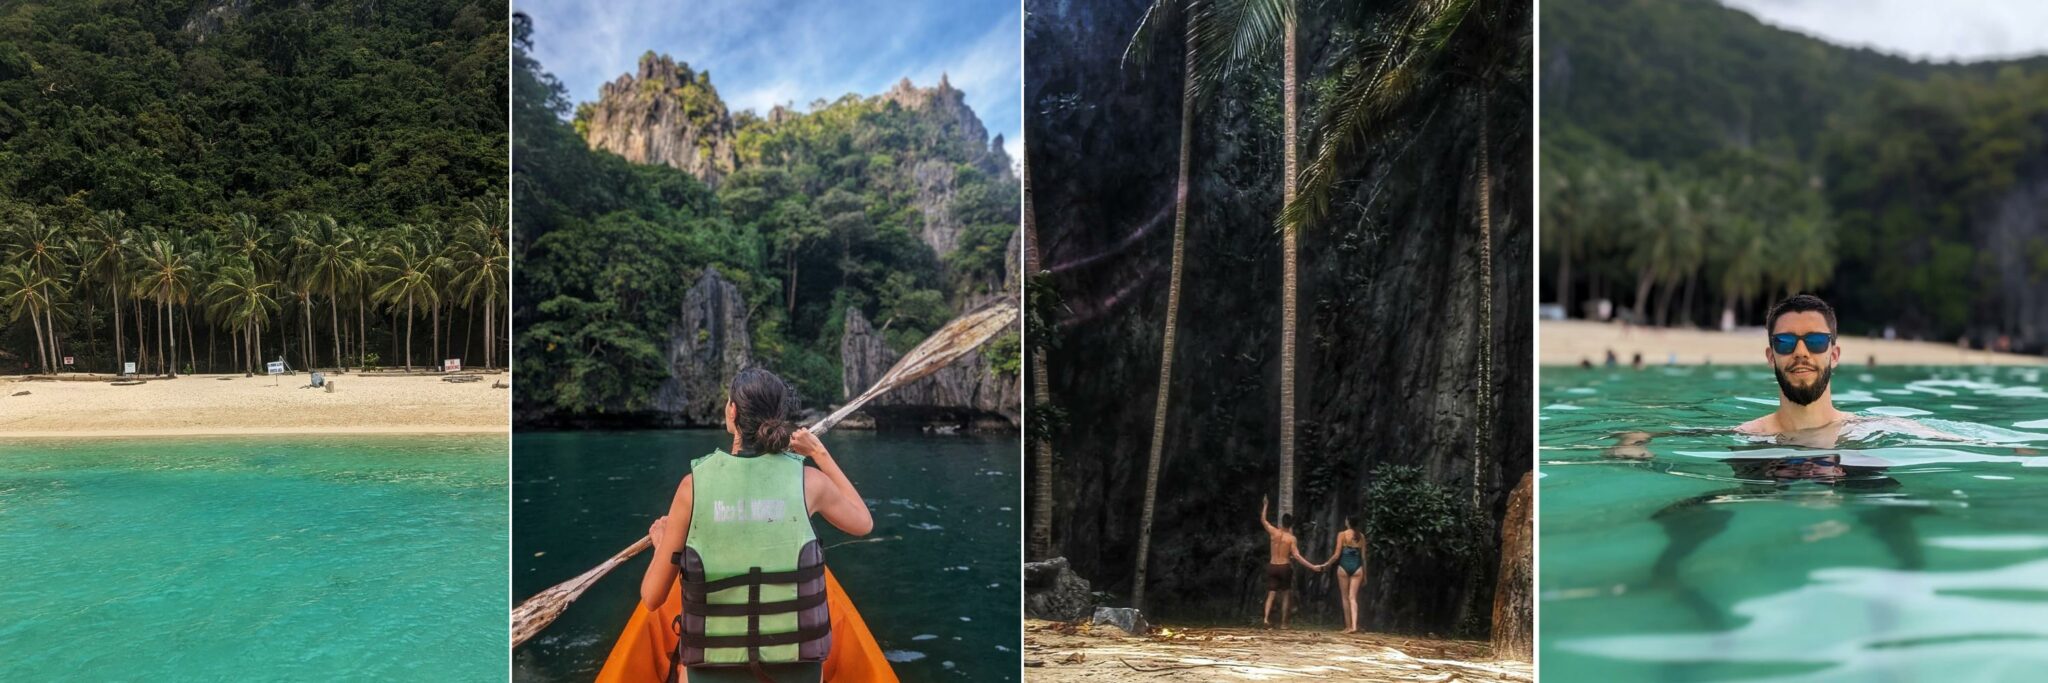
(67, 361)
(451, 365)
(128, 368)
(275, 367)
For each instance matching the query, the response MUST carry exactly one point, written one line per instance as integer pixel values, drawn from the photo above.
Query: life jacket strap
(756, 640)
(799, 575)
(697, 605)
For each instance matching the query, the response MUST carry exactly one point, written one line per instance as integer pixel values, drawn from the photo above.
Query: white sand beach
(233, 404)
(1567, 342)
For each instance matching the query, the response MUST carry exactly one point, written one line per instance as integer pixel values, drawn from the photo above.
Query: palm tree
(483, 266)
(412, 283)
(1458, 51)
(105, 256)
(1039, 545)
(1230, 34)
(327, 267)
(242, 302)
(23, 293)
(42, 247)
(166, 275)
(364, 261)
(1189, 84)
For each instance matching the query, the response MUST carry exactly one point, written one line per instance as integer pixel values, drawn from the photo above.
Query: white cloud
(1953, 30)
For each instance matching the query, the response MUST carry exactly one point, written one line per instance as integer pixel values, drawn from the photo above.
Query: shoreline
(227, 405)
(1564, 343)
(1056, 651)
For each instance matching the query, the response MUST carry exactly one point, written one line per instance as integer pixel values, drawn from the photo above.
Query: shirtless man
(1803, 354)
(1280, 576)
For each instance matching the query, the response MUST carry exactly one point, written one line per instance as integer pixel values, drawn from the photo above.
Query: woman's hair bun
(773, 435)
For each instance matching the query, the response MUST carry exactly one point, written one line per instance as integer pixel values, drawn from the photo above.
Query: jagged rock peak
(663, 113)
(209, 19)
(909, 96)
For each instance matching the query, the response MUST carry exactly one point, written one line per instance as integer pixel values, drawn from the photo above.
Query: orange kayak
(643, 651)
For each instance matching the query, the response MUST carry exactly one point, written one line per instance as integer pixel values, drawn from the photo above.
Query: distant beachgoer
(1279, 572)
(1611, 359)
(1349, 555)
(1637, 361)
(1873, 360)
(1585, 363)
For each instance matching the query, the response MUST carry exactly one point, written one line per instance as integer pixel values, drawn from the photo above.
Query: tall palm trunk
(120, 354)
(1564, 276)
(50, 322)
(334, 328)
(1039, 544)
(362, 334)
(490, 335)
(172, 311)
(408, 333)
(1290, 250)
(141, 339)
(42, 351)
(191, 347)
(1180, 231)
(162, 367)
(434, 323)
(1481, 440)
(306, 320)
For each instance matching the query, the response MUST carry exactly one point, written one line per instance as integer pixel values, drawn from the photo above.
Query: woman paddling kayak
(756, 603)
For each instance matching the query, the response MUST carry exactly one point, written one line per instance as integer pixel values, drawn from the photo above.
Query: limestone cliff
(968, 394)
(666, 113)
(707, 345)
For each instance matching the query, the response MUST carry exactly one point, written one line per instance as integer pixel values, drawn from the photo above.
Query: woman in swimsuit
(1349, 556)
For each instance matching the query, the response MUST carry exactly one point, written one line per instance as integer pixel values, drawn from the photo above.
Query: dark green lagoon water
(253, 558)
(938, 581)
(1916, 559)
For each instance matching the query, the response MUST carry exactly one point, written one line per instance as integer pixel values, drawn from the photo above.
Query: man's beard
(1807, 395)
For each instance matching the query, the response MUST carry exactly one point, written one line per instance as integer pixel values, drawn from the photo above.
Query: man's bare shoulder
(1762, 426)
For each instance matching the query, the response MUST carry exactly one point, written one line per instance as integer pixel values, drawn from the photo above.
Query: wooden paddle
(943, 347)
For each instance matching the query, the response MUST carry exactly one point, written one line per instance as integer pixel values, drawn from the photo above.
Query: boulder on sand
(1130, 620)
(1054, 592)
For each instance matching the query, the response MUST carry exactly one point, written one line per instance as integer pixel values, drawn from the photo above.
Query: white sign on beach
(67, 360)
(451, 365)
(128, 368)
(275, 367)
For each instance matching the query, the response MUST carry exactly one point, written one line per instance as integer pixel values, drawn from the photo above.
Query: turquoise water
(1893, 556)
(937, 581)
(271, 558)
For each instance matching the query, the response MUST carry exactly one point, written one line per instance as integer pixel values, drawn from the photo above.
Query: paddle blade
(544, 607)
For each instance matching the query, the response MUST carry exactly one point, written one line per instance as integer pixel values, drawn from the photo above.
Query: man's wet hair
(1286, 520)
(1799, 303)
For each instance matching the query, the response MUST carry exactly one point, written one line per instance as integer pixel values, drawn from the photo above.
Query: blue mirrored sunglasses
(1817, 342)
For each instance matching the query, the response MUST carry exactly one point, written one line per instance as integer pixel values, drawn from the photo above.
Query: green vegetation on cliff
(828, 209)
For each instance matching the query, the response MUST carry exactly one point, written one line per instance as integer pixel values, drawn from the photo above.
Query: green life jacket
(753, 575)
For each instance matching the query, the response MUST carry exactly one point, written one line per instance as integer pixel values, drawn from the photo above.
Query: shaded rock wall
(707, 345)
(1388, 330)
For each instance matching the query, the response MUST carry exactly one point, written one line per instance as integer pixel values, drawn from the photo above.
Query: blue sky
(1939, 30)
(766, 53)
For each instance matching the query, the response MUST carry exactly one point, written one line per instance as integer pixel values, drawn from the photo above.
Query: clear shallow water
(1894, 557)
(274, 558)
(937, 581)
